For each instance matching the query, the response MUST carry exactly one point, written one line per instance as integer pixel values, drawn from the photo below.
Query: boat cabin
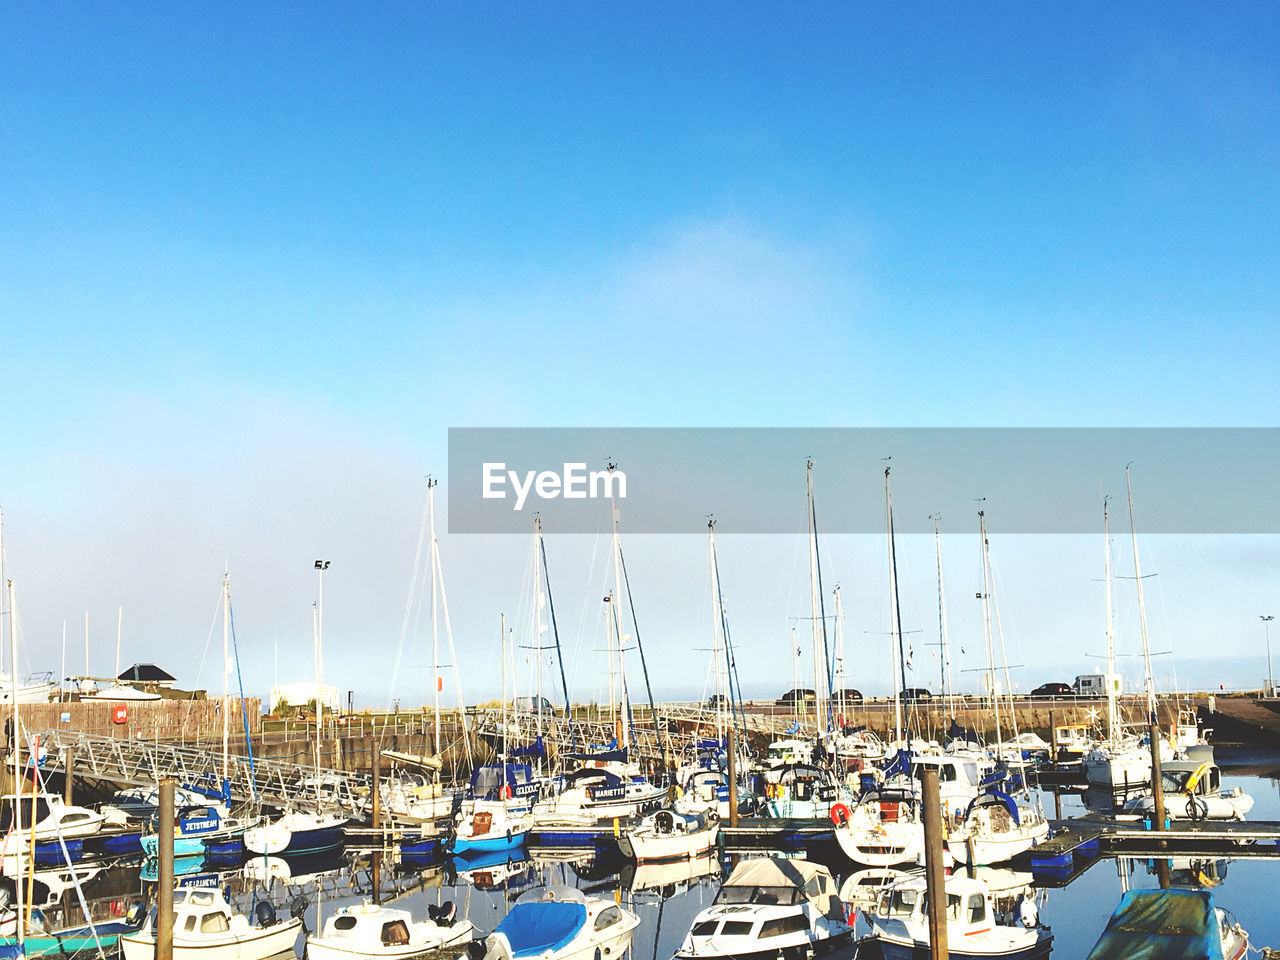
(969, 906)
(366, 927)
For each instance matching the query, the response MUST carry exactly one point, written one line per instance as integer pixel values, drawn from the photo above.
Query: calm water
(668, 897)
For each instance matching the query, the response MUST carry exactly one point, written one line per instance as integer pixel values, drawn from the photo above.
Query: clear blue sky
(255, 260)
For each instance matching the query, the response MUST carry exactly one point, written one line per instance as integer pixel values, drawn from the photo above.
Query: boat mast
(502, 642)
(944, 646)
(797, 698)
(538, 628)
(1111, 636)
(437, 682)
(625, 700)
(226, 697)
(817, 612)
(20, 916)
(895, 613)
(716, 623)
(838, 613)
(986, 623)
(1142, 610)
(119, 631)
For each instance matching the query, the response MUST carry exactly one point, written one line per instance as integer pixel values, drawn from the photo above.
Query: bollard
(69, 771)
(164, 883)
(1157, 784)
(935, 877)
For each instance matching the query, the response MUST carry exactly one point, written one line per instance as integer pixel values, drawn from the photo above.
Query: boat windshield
(785, 896)
(897, 902)
(1174, 780)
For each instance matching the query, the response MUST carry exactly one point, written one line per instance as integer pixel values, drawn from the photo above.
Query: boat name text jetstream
(573, 483)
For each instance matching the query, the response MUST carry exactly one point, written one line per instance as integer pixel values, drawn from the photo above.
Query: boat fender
(839, 814)
(597, 953)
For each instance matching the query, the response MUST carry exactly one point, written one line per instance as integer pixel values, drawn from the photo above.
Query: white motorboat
(121, 693)
(1193, 791)
(53, 819)
(995, 829)
(667, 835)
(605, 792)
(38, 688)
(369, 931)
(900, 924)
(562, 924)
(1071, 742)
(785, 753)
(204, 927)
(882, 830)
(296, 832)
(770, 907)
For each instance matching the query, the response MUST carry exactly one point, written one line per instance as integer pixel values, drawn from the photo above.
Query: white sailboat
(1123, 760)
(304, 831)
(994, 827)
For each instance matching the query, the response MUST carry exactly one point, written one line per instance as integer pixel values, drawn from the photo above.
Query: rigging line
(555, 632)
(38, 780)
(822, 611)
(217, 611)
(408, 608)
(635, 625)
(244, 714)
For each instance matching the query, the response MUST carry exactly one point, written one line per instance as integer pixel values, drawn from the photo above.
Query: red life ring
(839, 814)
(506, 791)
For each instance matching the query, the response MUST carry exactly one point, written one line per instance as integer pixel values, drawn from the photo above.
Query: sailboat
(304, 831)
(29, 936)
(608, 784)
(994, 827)
(1124, 760)
(495, 819)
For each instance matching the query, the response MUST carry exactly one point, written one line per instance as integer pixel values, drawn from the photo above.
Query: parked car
(849, 696)
(1051, 691)
(799, 695)
(530, 705)
(916, 695)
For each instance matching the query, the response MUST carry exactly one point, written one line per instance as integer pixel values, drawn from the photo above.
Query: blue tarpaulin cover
(533, 928)
(1161, 925)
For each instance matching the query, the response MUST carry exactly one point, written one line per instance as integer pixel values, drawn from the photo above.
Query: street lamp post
(1271, 681)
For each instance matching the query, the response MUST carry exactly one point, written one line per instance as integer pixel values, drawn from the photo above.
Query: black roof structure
(145, 673)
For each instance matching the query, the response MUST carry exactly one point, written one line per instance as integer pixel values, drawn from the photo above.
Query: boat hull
(893, 948)
(819, 948)
(255, 943)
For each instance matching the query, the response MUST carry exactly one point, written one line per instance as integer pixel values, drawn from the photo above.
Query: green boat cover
(1161, 925)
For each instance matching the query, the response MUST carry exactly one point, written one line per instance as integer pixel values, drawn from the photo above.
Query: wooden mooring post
(934, 871)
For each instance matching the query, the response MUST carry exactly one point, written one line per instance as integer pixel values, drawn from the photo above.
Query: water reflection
(666, 896)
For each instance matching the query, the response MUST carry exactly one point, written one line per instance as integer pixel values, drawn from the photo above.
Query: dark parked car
(1050, 691)
(849, 696)
(799, 695)
(916, 695)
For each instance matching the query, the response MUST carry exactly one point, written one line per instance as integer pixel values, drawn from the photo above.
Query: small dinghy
(770, 907)
(1193, 791)
(562, 924)
(666, 836)
(900, 924)
(367, 930)
(1170, 923)
(204, 927)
